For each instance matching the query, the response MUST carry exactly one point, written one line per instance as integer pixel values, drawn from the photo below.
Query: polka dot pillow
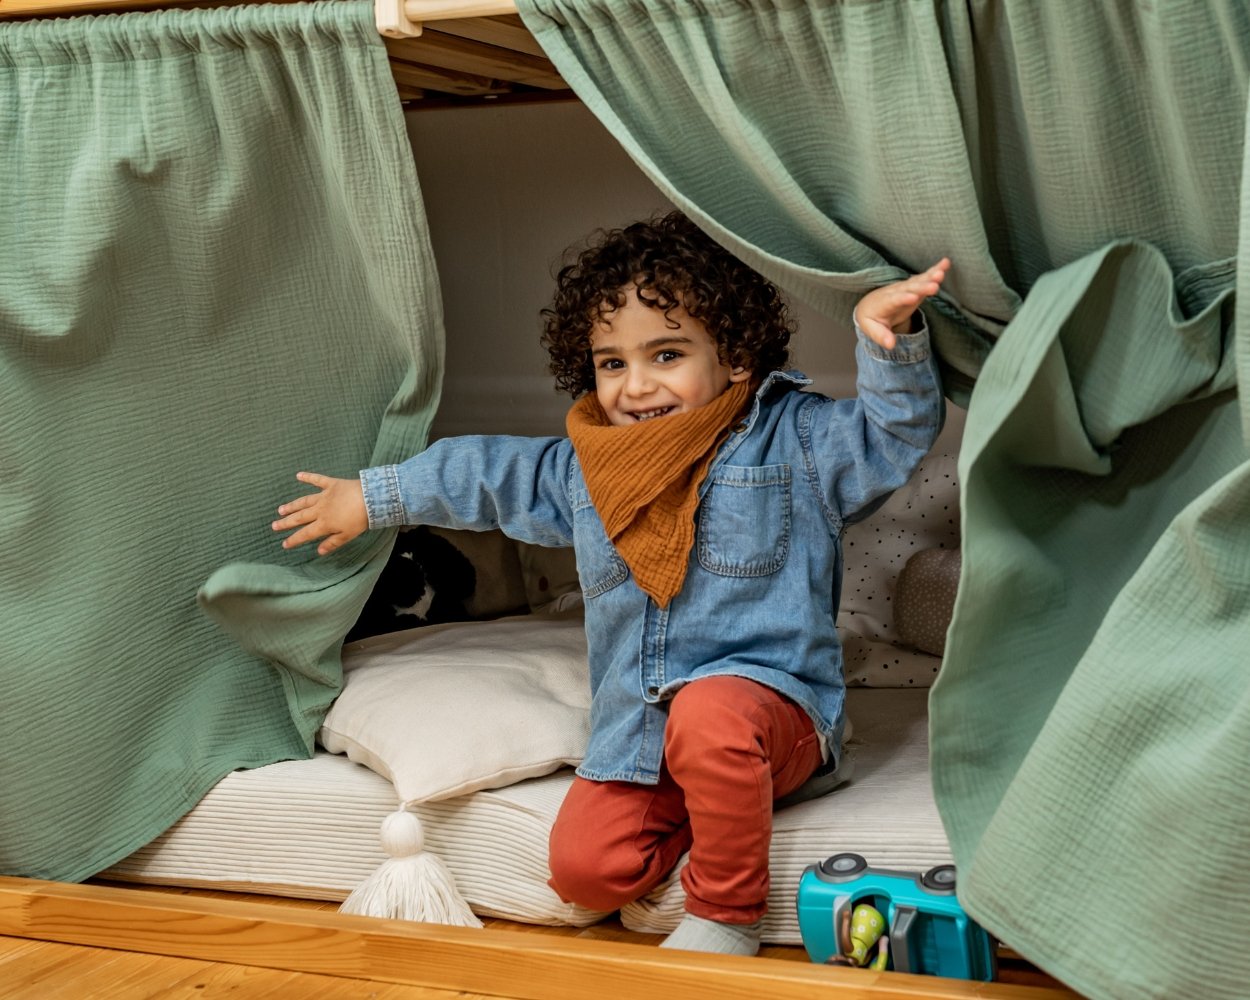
(922, 514)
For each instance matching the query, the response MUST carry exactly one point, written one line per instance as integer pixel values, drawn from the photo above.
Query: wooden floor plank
(12, 949)
(74, 971)
(218, 981)
(32, 974)
(69, 972)
(51, 971)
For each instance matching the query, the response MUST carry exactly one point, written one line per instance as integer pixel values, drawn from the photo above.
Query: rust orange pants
(731, 747)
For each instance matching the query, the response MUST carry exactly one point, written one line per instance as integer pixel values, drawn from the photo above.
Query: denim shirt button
(653, 690)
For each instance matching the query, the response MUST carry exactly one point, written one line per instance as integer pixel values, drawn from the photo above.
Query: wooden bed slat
(433, 81)
(503, 32)
(435, 48)
(495, 962)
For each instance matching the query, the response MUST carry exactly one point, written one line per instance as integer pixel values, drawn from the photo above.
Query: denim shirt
(761, 592)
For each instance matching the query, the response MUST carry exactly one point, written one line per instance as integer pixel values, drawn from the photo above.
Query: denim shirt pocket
(744, 521)
(599, 566)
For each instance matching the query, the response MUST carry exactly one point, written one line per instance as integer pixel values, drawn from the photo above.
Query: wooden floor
(45, 956)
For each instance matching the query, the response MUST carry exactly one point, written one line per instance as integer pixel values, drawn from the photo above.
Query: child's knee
(585, 875)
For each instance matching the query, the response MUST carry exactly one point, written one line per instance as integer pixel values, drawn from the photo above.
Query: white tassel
(412, 883)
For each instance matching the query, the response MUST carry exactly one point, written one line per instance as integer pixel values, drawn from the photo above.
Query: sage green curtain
(1081, 163)
(214, 272)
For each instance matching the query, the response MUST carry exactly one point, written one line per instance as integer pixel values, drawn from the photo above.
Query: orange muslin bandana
(644, 481)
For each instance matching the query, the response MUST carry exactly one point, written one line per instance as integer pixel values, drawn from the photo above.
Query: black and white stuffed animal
(426, 580)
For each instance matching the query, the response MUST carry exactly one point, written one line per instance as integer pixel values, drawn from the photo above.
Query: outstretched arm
(867, 446)
(888, 310)
(336, 513)
(478, 482)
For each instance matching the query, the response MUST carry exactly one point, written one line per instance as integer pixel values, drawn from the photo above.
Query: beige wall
(506, 189)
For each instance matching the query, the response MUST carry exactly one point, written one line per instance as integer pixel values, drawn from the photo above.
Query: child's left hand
(887, 310)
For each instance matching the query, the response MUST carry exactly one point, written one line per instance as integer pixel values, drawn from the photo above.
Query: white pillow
(449, 709)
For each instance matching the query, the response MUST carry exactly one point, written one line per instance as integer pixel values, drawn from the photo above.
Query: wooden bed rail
(493, 962)
(49, 8)
(469, 50)
(403, 18)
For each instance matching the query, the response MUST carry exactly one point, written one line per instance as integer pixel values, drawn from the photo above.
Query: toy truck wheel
(843, 866)
(941, 878)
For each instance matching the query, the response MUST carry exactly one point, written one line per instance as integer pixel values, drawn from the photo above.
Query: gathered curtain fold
(214, 272)
(1083, 167)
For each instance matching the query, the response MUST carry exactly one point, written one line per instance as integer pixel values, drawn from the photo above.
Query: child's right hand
(337, 513)
(886, 311)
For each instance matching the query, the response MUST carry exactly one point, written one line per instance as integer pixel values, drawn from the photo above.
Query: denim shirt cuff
(908, 347)
(382, 499)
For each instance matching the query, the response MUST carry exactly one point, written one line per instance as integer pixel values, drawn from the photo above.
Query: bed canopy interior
(1082, 165)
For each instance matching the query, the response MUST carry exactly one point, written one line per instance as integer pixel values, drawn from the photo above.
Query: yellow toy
(862, 930)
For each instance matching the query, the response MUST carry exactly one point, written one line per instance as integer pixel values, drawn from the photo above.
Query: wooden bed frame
(474, 51)
(441, 51)
(493, 962)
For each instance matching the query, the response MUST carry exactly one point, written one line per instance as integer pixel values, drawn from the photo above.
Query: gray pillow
(924, 598)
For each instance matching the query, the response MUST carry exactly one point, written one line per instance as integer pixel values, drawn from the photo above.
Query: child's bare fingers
(308, 533)
(878, 332)
(894, 306)
(921, 286)
(293, 520)
(314, 478)
(299, 503)
(332, 543)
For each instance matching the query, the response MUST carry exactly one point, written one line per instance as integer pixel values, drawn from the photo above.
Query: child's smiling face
(648, 364)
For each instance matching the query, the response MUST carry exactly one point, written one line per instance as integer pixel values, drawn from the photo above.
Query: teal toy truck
(913, 922)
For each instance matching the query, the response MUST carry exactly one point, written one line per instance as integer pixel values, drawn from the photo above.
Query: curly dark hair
(670, 262)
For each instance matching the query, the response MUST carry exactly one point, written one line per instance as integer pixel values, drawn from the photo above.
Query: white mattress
(310, 829)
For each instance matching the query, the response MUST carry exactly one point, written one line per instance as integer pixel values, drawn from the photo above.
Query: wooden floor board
(72, 972)
(46, 970)
(14, 948)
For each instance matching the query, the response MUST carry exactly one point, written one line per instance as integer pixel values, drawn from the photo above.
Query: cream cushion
(446, 710)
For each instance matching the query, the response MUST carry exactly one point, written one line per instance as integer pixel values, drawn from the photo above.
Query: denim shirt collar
(774, 383)
(778, 381)
(791, 375)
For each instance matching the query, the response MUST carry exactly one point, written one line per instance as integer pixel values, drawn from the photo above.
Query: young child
(705, 498)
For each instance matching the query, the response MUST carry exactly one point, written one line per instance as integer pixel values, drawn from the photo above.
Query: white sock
(697, 934)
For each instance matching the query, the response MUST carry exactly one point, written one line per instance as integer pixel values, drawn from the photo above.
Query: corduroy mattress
(310, 829)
